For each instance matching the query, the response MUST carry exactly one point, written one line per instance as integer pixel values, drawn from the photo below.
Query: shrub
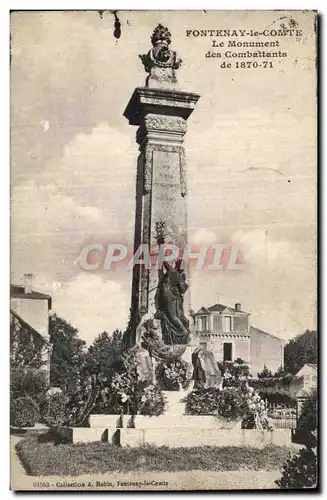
(173, 374)
(278, 397)
(308, 417)
(300, 471)
(231, 405)
(228, 403)
(286, 384)
(27, 383)
(280, 372)
(108, 403)
(265, 373)
(202, 401)
(24, 412)
(53, 409)
(237, 368)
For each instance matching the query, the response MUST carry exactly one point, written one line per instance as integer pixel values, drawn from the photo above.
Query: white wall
(34, 312)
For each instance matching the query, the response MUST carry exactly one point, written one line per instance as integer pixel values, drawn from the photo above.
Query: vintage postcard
(163, 311)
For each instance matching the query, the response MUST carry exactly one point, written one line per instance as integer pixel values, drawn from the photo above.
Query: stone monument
(159, 329)
(160, 295)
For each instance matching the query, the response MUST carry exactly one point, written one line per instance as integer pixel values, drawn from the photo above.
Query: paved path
(16, 468)
(149, 481)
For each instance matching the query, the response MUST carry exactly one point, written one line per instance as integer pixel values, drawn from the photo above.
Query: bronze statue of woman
(169, 304)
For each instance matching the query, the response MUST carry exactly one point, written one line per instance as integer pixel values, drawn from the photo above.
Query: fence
(283, 423)
(282, 416)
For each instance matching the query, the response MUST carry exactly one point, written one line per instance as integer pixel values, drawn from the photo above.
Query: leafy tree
(27, 382)
(67, 354)
(102, 359)
(308, 417)
(25, 346)
(301, 350)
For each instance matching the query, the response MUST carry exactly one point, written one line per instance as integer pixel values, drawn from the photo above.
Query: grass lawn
(43, 458)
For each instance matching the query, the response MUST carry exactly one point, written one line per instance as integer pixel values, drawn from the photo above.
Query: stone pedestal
(174, 405)
(161, 212)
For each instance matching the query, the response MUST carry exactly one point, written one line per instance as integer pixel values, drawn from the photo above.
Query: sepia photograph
(163, 275)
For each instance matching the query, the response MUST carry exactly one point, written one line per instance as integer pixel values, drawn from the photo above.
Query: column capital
(158, 101)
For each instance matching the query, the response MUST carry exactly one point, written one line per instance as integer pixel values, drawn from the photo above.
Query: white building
(29, 312)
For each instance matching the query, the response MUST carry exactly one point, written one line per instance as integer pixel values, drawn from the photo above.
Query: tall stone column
(160, 111)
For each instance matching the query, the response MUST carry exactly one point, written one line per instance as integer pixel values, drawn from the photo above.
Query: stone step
(109, 421)
(180, 421)
(85, 434)
(163, 421)
(185, 438)
(177, 436)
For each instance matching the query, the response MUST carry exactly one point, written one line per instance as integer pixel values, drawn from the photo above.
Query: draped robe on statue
(169, 305)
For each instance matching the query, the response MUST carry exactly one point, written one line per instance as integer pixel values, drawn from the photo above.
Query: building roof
(202, 310)
(18, 292)
(253, 329)
(26, 324)
(312, 365)
(217, 308)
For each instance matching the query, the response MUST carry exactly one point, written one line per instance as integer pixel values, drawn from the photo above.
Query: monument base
(167, 421)
(174, 404)
(188, 437)
(195, 431)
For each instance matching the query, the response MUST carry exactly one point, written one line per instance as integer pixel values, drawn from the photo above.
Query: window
(227, 323)
(217, 325)
(203, 323)
(228, 348)
(240, 324)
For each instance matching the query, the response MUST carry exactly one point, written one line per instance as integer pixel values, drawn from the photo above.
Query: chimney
(28, 283)
(238, 306)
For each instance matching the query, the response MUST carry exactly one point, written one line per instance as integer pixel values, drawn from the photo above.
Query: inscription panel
(168, 204)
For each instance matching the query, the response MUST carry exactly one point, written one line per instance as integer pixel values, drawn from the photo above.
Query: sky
(251, 162)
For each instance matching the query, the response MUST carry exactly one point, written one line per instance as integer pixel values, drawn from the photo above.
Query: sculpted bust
(161, 62)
